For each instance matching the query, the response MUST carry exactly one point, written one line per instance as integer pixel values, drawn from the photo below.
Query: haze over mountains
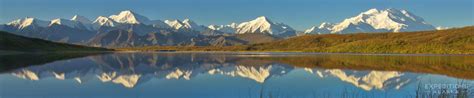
(129, 29)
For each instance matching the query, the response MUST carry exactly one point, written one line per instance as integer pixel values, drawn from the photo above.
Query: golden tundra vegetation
(450, 41)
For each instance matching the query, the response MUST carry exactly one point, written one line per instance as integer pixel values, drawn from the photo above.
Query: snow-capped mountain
(231, 28)
(59, 30)
(68, 23)
(27, 22)
(186, 24)
(375, 20)
(158, 24)
(81, 19)
(192, 25)
(175, 24)
(323, 28)
(104, 21)
(129, 17)
(259, 25)
(264, 25)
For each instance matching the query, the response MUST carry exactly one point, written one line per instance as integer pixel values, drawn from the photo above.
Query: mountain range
(129, 29)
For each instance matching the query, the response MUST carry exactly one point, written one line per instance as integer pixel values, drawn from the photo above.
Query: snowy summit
(375, 20)
(129, 17)
(264, 25)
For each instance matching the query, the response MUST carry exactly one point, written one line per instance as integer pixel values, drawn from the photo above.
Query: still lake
(235, 75)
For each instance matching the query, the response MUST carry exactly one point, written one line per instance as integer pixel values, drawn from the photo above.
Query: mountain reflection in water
(270, 72)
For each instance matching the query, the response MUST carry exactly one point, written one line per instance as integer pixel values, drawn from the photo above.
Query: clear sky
(299, 14)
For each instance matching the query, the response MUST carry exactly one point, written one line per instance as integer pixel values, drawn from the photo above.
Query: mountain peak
(185, 24)
(101, 18)
(394, 10)
(188, 21)
(172, 21)
(230, 28)
(324, 28)
(263, 19)
(127, 16)
(176, 24)
(81, 19)
(394, 20)
(371, 11)
(127, 12)
(19, 21)
(377, 11)
(263, 25)
(56, 21)
(376, 20)
(104, 21)
(325, 25)
(69, 23)
(28, 21)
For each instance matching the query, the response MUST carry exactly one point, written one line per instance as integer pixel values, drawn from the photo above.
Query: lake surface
(235, 75)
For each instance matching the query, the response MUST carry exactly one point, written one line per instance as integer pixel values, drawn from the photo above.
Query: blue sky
(300, 14)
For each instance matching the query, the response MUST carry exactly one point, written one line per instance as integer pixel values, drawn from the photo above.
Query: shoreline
(4, 52)
(8, 52)
(296, 53)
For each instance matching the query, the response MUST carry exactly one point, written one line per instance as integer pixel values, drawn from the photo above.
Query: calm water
(236, 75)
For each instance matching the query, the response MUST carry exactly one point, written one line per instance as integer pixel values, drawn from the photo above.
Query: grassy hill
(451, 41)
(10, 42)
(254, 38)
